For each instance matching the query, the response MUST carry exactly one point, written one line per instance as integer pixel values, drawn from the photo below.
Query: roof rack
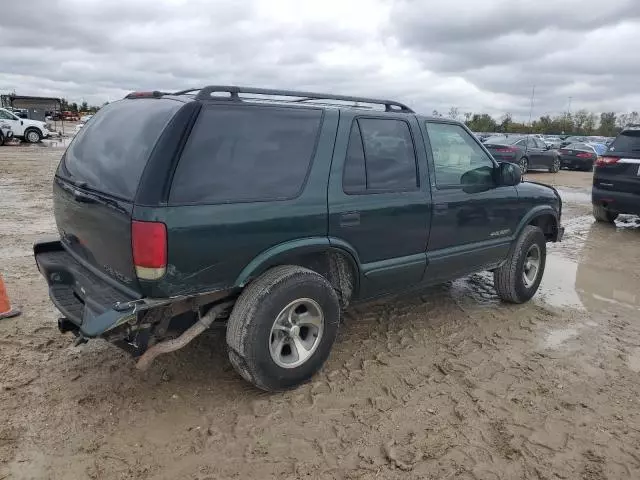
(204, 93)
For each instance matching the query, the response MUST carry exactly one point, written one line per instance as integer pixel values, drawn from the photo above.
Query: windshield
(110, 152)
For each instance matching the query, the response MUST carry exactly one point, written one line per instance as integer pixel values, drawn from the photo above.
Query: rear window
(110, 152)
(627, 141)
(246, 153)
(577, 146)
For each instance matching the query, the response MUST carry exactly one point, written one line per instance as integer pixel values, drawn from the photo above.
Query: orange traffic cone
(5, 307)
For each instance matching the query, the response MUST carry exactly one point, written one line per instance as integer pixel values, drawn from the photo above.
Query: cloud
(429, 54)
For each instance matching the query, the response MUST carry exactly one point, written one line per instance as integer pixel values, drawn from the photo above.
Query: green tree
(482, 123)
(607, 124)
(453, 113)
(74, 107)
(84, 107)
(505, 122)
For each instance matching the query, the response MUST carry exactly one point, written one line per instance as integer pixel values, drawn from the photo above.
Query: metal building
(37, 107)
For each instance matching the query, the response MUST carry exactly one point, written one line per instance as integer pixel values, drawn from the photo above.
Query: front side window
(457, 157)
(380, 157)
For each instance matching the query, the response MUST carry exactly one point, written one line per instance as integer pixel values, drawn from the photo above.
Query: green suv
(269, 212)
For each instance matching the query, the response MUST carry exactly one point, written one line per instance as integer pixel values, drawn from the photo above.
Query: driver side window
(458, 159)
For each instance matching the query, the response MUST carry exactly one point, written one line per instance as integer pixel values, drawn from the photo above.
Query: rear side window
(110, 152)
(243, 154)
(380, 157)
(628, 141)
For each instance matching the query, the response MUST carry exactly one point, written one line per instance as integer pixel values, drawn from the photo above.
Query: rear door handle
(350, 219)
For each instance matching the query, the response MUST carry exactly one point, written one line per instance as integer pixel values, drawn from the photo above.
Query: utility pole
(533, 94)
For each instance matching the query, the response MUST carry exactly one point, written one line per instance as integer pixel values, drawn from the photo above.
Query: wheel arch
(338, 263)
(543, 217)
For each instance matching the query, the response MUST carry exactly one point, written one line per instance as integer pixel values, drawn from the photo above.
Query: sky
(476, 55)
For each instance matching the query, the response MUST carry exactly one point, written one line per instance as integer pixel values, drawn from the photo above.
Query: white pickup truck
(31, 131)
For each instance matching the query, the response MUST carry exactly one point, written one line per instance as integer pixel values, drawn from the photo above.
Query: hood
(33, 123)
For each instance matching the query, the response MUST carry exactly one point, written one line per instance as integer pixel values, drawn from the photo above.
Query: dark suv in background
(616, 177)
(271, 211)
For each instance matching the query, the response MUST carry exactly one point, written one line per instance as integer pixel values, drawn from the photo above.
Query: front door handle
(350, 219)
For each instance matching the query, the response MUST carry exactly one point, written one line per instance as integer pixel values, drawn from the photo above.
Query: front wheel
(282, 328)
(601, 214)
(32, 136)
(555, 165)
(518, 279)
(524, 165)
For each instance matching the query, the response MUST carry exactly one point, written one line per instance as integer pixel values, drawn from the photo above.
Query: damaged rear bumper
(94, 305)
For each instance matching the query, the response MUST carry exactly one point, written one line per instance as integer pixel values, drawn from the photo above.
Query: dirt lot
(449, 383)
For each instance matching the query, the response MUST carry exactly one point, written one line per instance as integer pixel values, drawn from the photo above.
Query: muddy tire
(32, 135)
(282, 328)
(601, 214)
(524, 165)
(555, 165)
(518, 279)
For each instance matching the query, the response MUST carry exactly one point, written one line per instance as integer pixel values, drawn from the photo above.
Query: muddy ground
(445, 384)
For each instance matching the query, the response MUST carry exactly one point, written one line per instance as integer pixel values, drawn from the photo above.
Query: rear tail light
(506, 150)
(584, 155)
(149, 245)
(606, 161)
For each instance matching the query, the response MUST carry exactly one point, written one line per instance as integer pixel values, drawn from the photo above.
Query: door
(474, 217)
(14, 122)
(535, 153)
(379, 203)
(547, 156)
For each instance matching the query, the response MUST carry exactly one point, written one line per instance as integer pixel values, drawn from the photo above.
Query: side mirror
(509, 174)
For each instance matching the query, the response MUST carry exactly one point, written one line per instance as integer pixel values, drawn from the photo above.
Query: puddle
(575, 196)
(558, 286)
(57, 142)
(556, 338)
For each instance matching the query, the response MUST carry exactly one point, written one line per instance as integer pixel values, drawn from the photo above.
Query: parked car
(616, 178)
(552, 141)
(578, 156)
(85, 118)
(5, 133)
(31, 131)
(570, 140)
(274, 216)
(599, 147)
(528, 152)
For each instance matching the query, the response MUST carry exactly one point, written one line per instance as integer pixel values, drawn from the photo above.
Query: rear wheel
(282, 328)
(1, 139)
(601, 214)
(518, 279)
(524, 165)
(555, 165)
(32, 135)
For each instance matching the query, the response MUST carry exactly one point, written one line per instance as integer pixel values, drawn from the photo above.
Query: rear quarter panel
(209, 246)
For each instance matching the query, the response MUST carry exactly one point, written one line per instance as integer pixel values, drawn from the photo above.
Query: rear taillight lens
(149, 245)
(584, 155)
(506, 150)
(607, 161)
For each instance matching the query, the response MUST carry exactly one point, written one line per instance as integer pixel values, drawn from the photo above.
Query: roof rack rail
(204, 93)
